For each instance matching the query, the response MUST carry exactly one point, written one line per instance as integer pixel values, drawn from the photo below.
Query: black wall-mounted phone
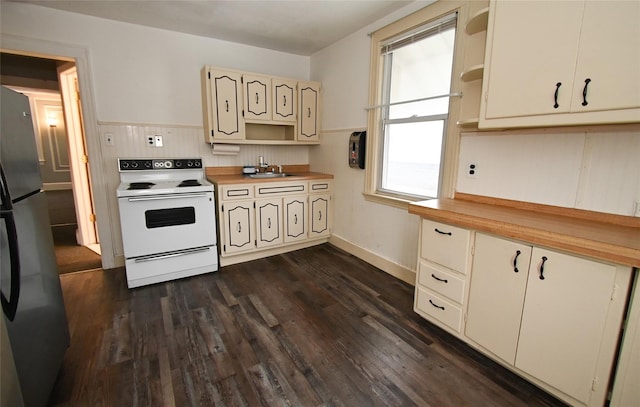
(357, 143)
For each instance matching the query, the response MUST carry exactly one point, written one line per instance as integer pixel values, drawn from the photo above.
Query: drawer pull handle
(437, 306)
(442, 233)
(584, 92)
(284, 98)
(444, 280)
(544, 259)
(515, 261)
(555, 95)
(269, 223)
(295, 219)
(239, 228)
(226, 103)
(257, 98)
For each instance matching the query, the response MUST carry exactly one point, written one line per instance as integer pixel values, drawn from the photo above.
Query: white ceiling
(296, 26)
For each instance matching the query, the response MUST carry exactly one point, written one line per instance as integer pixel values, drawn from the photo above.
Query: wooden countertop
(611, 238)
(233, 175)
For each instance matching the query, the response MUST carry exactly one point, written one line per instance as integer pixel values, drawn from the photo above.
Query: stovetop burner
(189, 183)
(140, 185)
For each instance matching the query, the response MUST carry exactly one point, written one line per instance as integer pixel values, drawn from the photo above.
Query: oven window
(159, 218)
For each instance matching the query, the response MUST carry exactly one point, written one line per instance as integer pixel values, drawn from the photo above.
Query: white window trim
(374, 136)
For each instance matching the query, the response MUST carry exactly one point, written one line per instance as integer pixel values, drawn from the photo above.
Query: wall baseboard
(389, 267)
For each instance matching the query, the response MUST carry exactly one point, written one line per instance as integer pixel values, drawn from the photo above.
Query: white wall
(142, 74)
(376, 231)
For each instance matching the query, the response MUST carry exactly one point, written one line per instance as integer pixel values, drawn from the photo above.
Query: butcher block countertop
(233, 175)
(612, 238)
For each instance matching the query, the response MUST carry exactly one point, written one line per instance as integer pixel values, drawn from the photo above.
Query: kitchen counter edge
(614, 243)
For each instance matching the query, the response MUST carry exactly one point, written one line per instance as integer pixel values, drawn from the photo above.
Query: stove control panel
(141, 164)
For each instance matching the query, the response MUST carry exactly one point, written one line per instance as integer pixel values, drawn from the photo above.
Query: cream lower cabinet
(295, 218)
(553, 316)
(442, 276)
(262, 219)
(238, 225)
(269, 222)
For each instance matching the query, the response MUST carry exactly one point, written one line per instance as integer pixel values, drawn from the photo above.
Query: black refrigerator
(32, 304)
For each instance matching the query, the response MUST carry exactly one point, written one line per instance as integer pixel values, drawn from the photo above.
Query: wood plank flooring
(315, 327)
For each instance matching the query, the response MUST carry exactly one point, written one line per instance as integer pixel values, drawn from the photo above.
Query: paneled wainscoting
(315, 327)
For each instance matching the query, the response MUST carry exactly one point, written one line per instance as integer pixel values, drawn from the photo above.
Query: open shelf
(478, 22)
(473, 73)
(468, 124)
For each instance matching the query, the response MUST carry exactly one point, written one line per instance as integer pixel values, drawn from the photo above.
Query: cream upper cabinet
(257, 97)
(561, 63)
(284, 99)
(251, 108)
(309, 114)
(225, 99)
(496, 297)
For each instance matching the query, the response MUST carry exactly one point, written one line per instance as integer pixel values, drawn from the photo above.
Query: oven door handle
(172, 254)
(162, 197)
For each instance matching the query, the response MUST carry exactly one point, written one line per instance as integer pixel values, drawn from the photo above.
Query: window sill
(401, 203)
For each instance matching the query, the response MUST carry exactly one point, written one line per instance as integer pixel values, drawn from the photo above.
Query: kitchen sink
(270, 175)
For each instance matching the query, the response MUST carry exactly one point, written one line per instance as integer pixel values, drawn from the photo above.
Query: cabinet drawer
(318, 187)
(231, 192)
(446, 245)
(438, 308)
(441, 281)
(269, 189)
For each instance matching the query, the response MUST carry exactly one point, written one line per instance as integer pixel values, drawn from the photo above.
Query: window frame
(375, 137)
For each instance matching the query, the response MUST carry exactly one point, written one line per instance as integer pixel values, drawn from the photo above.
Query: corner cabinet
(553, 316)
(267, 218)
(551, 64)
(249, 108)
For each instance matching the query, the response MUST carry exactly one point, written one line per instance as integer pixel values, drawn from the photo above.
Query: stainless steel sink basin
(269, 175)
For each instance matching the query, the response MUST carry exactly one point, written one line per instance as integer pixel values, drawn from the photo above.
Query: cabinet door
(257, 97)
(238, 226)
(496, 296)
(284, 100)
(563, 321)
(609, 57)
(226, 88)
(531, 47)
(269, 222)
(295, 218)
(320, 215)
(308, 117)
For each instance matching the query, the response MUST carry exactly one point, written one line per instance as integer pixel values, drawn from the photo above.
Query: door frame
(79, 55)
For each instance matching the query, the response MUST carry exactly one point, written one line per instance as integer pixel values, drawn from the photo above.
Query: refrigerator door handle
(10, 306)
(5, 199)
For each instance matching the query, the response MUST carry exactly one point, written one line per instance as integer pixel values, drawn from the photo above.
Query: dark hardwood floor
(315, 327)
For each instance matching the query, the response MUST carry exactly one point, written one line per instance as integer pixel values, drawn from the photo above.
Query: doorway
(63, 156)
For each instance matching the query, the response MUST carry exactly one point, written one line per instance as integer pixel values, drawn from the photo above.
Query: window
(411, 96)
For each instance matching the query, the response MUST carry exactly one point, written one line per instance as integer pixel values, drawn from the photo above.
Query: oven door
(163, 223)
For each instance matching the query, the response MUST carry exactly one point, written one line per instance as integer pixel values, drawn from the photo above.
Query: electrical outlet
(158, 140)
(151, 141)
(471, 170)
(108, 138)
